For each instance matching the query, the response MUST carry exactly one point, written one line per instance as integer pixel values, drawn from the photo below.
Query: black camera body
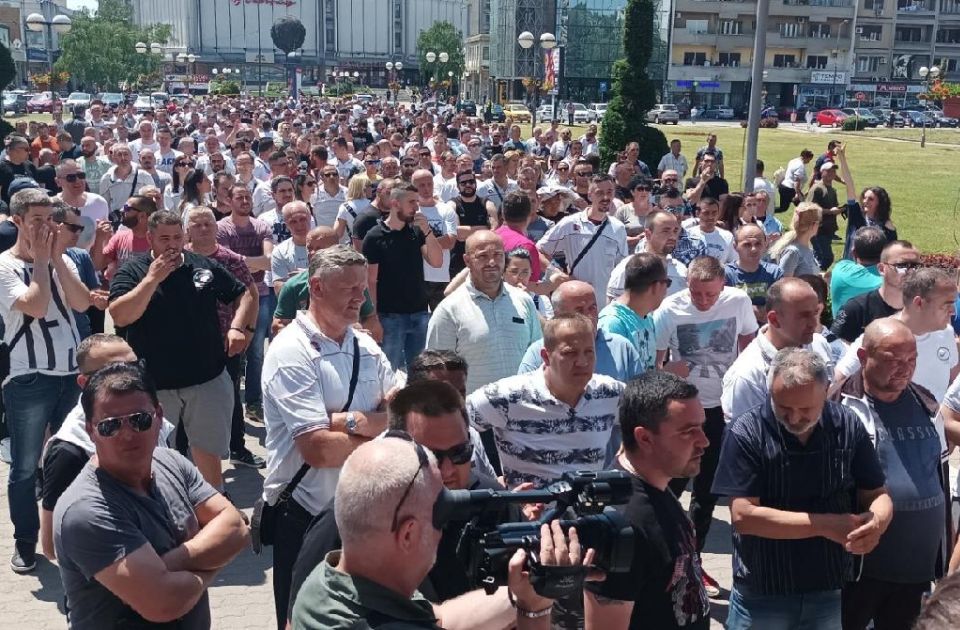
(584, 498)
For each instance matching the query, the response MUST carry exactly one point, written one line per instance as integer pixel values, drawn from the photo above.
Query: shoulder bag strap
(287, 492)
(583, 252)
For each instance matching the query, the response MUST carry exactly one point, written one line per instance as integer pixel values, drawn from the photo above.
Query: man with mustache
(806, 494)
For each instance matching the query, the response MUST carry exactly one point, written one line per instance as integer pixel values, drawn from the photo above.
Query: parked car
(364, 98)
(916, 118)
(497, 114)
(144, 104)
(865, 114)
(16, 101)
(42, 102)
(883, 114)
(717, 112)
(75, 99)
(600, 109)
(663, 113)
(467, 107)
(581, 113)
(518, 112)
(830, 118)
(160, 99)
(942, 119)
(545, 112)
(112, 99)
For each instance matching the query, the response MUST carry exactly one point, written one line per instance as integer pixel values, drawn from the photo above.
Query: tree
(632, 93)
(100, 51)
(441, 37)
(8, 72)
(288, 34)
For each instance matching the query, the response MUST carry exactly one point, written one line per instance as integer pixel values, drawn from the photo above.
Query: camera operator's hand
(555, 550)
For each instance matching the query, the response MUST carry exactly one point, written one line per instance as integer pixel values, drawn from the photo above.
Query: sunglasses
(72, 177)
(424, 154)
(182, 164)
(76, 229)
(310, 182)
(140, 421)
(374, 162)
(424, 463)
(458, 455)
(667, 281)
(906, 266)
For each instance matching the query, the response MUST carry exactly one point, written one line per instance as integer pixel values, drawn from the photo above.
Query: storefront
(894, 95)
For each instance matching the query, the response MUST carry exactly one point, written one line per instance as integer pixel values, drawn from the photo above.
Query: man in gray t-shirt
(121, 529)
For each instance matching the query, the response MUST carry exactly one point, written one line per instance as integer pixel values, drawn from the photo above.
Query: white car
(599, 109)
(78, 98)
(545, 112)
(581, 114)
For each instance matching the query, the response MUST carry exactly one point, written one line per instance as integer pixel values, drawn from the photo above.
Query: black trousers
(891, 606)
(237, 426)
(292, 523)
(434, 293)
(786, 198)
(703, 501)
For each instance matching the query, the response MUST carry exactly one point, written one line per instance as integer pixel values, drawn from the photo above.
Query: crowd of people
(413, 301)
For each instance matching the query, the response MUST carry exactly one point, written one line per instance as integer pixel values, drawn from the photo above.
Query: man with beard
(91, 206)
(592, 241)
(486, 321)
(396, 248)
(806, 494)
(473, 215)
(496, 189)
(124, 243)
(662, 424)
(93, 165)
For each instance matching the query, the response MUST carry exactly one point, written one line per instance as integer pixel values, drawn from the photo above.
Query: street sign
(861, 96)
(603, 87)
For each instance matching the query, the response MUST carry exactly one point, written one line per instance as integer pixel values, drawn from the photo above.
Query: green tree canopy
(633, 94)
(288, 34)
(441, 37)
(99, 49)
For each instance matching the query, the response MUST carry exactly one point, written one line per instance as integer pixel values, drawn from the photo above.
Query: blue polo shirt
(761, 459)
(848, 279)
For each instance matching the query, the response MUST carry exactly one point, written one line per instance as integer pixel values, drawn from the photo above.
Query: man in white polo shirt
(554, 420)
(314, 417)
(486, 321)
(661, 235)
(592, 241)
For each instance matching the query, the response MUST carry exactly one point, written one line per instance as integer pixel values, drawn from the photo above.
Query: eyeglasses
(329, 175)
(458, 455)
(76, 229)
(72, 177)
(907, 266)
(667, 281)
(140, 421)
(424, 463)
(374, 162)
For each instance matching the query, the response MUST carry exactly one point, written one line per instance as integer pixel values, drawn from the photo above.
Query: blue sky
(79, 4)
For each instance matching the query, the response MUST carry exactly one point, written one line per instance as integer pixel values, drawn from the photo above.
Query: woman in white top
(196, 191)
(634, 214)
(171, 195)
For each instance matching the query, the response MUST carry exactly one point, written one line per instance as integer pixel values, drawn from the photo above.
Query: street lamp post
(926, 75)
(188, 58)
(392, 70)
(548, 41)
(836, 60)
(46, 20)
(435, 71)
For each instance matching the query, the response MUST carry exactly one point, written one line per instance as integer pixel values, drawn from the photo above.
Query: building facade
(355, 36)
(29, 48)
(476, 73)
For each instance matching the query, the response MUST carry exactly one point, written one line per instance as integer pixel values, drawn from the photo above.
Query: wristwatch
(351, 423)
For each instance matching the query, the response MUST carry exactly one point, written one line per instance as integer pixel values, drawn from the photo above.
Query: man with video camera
(384, 510)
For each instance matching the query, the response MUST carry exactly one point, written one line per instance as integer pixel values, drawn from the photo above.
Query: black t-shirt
(180, 322)
(664, 579)
(857, 313)
(715, 187)
(9, 171)
(472, 214)
(47, 177)
(400, 287)
(62, 462)
(366, 220)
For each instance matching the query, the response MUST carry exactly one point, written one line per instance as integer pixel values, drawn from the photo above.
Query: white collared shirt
(306, 377)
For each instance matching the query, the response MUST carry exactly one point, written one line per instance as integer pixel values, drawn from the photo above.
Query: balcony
(709, 73)
(915, 8)
(823, 8)
(911, 44)
(712, 38)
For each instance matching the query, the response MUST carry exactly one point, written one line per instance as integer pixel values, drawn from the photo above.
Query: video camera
(487, 544)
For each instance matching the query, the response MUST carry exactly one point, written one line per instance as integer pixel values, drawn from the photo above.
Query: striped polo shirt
(540, 438)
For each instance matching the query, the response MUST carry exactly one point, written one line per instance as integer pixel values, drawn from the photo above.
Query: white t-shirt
(165, 160)
(572, 235)
(443, 222)
(288, 257)
(936, 356)
(326, 206)
(47, 345)
(348, 213)
(796, 172)
(94, 209)
(262, 197)
(719, 243)
(676, 271)
(137, 145)
(706, 340)
(492, 191)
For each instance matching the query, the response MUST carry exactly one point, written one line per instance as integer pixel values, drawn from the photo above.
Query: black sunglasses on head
(139, 421)
(424, 463)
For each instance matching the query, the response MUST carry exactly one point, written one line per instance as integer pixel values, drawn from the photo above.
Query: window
(790, 29)
(486, 53)
(784, 61)
(868, 63)
(875, 5)
(694, 58)
(909, 34)
(731, 27)
(870, 32)
(817, 62)
(697, 27)
(949, 6)
(951, 65)
(948, 36)
(729, 59)
(819, 30)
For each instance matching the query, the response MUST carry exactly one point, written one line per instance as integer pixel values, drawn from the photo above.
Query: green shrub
(854, 123)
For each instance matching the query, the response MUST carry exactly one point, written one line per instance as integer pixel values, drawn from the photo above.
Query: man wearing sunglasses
(432, 413)
(896, 258)
(92, 207)
(384, 503)
(139, 535)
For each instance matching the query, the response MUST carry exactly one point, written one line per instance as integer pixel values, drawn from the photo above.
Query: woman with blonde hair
(793, 251)
(358, 200)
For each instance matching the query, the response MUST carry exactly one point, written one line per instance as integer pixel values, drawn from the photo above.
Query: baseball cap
(22, 183)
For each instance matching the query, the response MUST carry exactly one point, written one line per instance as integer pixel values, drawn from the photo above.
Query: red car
(830, 118)
(42, 102)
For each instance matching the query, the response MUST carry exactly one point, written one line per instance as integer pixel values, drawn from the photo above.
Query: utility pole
(756, 88)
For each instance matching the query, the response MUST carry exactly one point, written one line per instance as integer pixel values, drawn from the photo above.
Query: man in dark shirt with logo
(806, 494)
(166, 300)
(395, 249)
(661, 420)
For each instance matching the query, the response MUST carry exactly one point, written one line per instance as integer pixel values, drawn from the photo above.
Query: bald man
(901, 419)
(486, 321)
(295, 294)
